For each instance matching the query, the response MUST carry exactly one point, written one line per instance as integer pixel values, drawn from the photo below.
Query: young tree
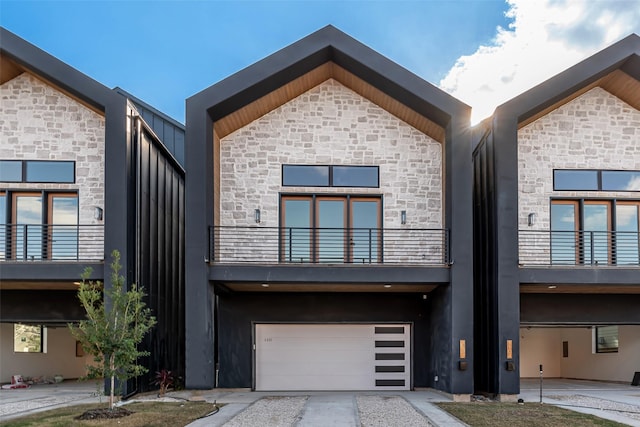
(117, 321)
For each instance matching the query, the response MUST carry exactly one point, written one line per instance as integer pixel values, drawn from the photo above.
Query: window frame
(330, 169)
(24, 167)
(580, 232)
(597, 339)
(599, 180)
(42, 336)
(315, 199)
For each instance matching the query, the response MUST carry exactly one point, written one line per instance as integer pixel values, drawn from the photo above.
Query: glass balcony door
(626, 238)
(329, 229)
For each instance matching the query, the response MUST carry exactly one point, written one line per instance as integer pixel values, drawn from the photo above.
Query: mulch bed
(104, 413)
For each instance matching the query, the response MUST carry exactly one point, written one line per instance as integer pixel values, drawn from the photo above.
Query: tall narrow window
(564, 237)
(28, 226)
(62, 228)
(626, 237)
(597, 223)
(4, 228)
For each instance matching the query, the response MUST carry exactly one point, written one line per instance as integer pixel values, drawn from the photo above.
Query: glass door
(626, 237)
(330, 229)
(597, 237)
(63, 226)
(564, 234)
(27, 234)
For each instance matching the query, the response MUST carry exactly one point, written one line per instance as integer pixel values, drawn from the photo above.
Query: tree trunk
(113, 381)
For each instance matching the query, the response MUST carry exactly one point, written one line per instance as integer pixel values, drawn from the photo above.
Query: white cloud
(544, 38)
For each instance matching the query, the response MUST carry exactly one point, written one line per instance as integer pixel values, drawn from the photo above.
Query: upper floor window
(39, 171)
(596, 180)
(330, 176)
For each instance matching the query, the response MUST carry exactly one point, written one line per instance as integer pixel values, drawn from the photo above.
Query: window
(38, 225)
(606, 339)
(29, 338)
(596, 180)
(331, 229)
(330, 176)
(595, 232)
(40, 171)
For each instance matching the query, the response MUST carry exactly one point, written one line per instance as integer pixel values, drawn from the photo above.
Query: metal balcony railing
(293, 245)
(601, 248)
(51, 242)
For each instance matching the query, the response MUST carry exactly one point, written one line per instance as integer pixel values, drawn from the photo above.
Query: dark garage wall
(237, 311)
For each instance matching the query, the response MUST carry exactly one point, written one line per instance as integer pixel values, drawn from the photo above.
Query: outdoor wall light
(97, 213)
(256, 216)
(531, 219)
(403, 217)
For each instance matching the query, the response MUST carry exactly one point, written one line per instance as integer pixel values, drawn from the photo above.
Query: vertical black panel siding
(161, 255)
(237, 311)
(485, 297)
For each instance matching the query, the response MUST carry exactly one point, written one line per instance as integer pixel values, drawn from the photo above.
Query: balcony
(329, 246)
(579, 248)
(46, 243)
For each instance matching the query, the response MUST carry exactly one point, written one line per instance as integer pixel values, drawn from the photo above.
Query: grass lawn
(159, 414)
(494, 414)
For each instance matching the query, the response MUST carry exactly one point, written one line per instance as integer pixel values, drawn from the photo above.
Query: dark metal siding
(160, 251)
(485, 293)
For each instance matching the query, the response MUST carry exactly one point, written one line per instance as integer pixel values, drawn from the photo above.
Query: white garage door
(333, 357)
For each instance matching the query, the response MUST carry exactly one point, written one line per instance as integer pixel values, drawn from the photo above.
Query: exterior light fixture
(256, 216)
(531, 219)
(97, 213)
(552, 286)
(403, 217)
(265, 285)
(387, 285)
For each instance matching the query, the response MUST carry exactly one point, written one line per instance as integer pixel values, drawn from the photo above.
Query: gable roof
(615, 69)
(17, 56)
(327, 53)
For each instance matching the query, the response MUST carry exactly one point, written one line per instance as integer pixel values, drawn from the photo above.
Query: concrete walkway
(322, 408)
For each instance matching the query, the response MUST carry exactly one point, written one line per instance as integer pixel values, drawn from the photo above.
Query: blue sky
(165, 51)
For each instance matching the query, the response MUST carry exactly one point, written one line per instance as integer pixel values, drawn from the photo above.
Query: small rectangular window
(305, 176)
(29, 338)
(606, 339)
(10, 170)
(575, 180)
(50, 171)
(355, 176)
(620, 180)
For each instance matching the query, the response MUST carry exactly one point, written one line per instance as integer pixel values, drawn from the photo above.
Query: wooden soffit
(328, 70)
(8, 69)
(617, 83)
(579, 289)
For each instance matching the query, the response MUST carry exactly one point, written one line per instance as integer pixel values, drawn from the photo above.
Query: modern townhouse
(556, 220)
(329, 215)
(81, 174)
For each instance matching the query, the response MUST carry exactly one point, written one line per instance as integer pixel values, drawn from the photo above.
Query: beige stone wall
(38, 122)
(594, 131)
(331, 125)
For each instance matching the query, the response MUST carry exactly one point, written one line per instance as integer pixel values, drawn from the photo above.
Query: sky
(483, 52)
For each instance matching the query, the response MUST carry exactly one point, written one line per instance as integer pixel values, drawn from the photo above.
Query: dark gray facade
(216, 306)
(143, 218)
(500, 305)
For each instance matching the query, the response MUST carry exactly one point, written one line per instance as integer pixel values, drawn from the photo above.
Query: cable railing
(51, 242)
(591, 248)
(298, 245)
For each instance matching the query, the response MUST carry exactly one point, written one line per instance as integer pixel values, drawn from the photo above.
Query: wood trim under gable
(326, 71)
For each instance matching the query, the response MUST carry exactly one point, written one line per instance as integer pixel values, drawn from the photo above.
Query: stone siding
(38, 122)
(594, 131)
(330, 125)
